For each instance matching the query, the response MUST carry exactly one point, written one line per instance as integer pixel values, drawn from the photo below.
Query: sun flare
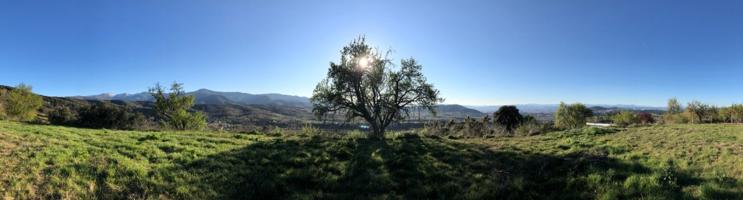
(364, 62)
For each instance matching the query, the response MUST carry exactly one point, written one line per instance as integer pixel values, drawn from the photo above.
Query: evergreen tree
(172, 108)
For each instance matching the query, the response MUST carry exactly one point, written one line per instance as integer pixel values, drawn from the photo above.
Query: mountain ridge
(206, 96)
(551, 108)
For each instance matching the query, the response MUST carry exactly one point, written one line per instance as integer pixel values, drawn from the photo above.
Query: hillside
(237, 107)
(659, 162)
(205, 96)
(551, 108)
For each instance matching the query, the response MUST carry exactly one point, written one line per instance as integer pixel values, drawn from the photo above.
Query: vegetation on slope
(664, 162)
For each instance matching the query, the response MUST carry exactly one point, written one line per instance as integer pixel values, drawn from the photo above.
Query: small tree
(697, 111)
(735, 113)
(172, 108)
(673, 106)
(22, 104)
(508, 117)
(624, 118)
(571, 116)
(365, 85)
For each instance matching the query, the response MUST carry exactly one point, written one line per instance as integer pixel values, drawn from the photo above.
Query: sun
(364, 62)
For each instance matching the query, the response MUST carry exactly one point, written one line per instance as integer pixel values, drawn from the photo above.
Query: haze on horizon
(475, 52)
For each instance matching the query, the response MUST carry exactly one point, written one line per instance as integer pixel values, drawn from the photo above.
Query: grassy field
(657, 162)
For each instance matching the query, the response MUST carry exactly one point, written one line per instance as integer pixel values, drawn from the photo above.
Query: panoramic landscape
(371, 100)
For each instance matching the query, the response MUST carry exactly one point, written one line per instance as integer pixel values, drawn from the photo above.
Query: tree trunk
(377, 130)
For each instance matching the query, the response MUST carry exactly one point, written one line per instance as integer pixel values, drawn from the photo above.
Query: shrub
(472, 128)
(645, 118)
(62, 116)
(22, 104)
(308, 129)
(571, 116)
(531, 127)
(107, 115)
(680, 118)
(624, 118)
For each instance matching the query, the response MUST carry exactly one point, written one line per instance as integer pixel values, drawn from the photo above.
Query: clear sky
(475, 52)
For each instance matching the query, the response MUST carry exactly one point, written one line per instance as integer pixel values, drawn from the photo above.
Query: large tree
(172, 108)
(367, 85)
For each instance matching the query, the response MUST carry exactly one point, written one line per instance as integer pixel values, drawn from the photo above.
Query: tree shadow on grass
(412, 168)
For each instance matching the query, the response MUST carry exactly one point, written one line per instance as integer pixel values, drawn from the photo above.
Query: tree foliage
(571, 116)
(508, 117)
(62, 116)
(173, 108)
(106, 115)
(732, 114)
(624, 118)
(673, 106)
(21, 103)
(699, 112)
(365, 84)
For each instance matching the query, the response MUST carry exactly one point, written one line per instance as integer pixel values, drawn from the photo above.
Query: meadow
(648, 162)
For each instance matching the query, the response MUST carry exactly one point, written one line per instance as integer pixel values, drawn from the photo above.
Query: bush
(22, 104)
(680, 118)
(531, 127)
(472, 128)
(106, 115)
(645, 118)
(624, 118)
(571, 116)
(62, 116)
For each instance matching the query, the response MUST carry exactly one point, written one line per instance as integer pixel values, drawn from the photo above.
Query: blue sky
(475, 52)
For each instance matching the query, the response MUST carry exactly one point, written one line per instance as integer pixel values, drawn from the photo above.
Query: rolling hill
(233, 106)
(205, 96)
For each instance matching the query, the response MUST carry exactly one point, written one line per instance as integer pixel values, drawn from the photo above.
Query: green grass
(659, 162)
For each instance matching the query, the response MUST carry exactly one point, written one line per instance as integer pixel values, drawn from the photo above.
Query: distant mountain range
(300, 107)
(205, 96)
(551, 108)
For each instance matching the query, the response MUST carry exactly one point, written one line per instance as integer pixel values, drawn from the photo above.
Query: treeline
(697, 112)
(172, 111)
(101, 115)
(507, 120)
